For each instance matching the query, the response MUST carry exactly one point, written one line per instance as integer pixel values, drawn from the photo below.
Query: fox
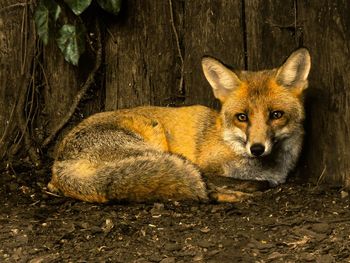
(151, 153)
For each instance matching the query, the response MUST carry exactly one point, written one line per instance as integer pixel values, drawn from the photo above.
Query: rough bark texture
(61, 87)
(141, 59)
(211, 28)
(153, 54)
(326, 28)
(16, 31)
(271, 32)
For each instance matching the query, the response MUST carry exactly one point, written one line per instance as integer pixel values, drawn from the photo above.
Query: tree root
(22, 122)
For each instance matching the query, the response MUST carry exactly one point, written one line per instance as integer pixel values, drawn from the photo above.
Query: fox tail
(146, 177)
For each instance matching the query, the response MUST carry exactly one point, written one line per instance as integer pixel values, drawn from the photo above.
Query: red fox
(159, 153)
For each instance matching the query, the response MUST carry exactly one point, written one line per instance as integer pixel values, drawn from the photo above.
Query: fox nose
(257, 149)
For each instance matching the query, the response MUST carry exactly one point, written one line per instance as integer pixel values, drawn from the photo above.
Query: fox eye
(242, 117)
(276, 114)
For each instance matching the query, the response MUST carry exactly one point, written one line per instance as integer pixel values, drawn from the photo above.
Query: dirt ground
(291, 223)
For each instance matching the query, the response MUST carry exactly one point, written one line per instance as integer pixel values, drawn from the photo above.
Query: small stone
(108, 225)
(213, 252)
(95, 229)
(216, 209)
(85, 225)
(194, 209)
(158, 206)
(307, 257)
(141, 260)
(13, 187)
(228, 242)
(168, 260)
(275, 255)
(172, 247)
(205, 243)
(321, 228)
(261, 245)
(198, 257)
(21, 239)
(205, 229)
(155, 258)
(325, 259)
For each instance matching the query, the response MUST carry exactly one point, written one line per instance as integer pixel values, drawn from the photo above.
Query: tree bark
(16, 31)
(326, 27)
(141, 57)
(213, 28)
(272, 32)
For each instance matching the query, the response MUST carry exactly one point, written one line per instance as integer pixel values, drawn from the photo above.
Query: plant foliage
(45, 17)
(71, 42)
(111, 6)
(78, 6)
(70, 37)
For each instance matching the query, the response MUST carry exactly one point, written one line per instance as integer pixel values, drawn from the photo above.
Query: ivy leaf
(111, 6)
(46, 14)
(71, 42)
(78, 6)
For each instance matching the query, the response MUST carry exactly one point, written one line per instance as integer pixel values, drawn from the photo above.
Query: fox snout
(259, 142)
(247, 145)
(259, 148)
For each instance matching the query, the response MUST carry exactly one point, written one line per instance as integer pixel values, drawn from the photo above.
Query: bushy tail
(148, 177)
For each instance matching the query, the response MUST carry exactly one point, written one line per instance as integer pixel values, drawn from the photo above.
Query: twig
(295, 21)
(30, 101)
(181, 86)
(23, 122)
(24, 31)
(89, 80)
(111, 34)
(320, 178)
(52, 194)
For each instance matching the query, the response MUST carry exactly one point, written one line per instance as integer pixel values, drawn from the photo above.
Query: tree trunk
(141, 57)
(326, 28)
(213, 28)
(16, 34)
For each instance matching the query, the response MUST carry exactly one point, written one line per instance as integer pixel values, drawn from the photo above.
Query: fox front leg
(223, 195)
(230, 190)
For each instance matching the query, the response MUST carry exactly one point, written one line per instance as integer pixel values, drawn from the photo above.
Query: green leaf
(78, 6)
(111, 6)
(46, 14)
(71, 41)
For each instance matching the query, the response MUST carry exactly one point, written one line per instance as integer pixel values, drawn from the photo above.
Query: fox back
(152, 153)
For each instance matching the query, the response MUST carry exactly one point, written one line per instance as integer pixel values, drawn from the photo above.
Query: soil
(290, 223)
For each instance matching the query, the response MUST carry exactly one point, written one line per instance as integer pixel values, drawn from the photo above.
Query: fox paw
(229, 196)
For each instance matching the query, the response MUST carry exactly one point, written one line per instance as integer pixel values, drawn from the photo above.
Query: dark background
(144, 62)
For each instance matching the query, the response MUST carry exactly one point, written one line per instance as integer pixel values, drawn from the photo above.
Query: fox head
(260, 109)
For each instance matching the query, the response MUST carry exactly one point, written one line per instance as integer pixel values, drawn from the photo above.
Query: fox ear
(221, 78)
(294, 72)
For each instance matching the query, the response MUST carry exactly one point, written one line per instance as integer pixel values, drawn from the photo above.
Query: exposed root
(28, 51)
